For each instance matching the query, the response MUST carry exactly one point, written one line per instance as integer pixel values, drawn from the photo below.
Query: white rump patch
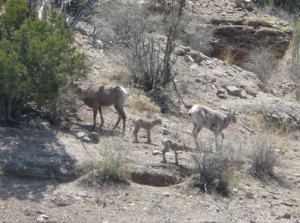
(124, 92)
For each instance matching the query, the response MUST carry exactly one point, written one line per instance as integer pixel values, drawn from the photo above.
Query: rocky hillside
(60, 173)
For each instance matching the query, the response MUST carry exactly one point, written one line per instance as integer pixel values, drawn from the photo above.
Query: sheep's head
(230, 118)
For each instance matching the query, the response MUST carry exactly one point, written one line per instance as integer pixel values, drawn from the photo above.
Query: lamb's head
(230, 118)
(157, 121)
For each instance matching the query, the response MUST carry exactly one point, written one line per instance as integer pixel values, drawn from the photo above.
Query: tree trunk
(6, 103)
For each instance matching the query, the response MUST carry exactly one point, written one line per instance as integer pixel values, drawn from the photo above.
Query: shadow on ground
(32, 160)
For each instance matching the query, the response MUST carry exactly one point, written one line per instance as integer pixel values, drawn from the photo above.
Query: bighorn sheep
(213, 120)
(107, 95)
(175, 146)
(145, 124)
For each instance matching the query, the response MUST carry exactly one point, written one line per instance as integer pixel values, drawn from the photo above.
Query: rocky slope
(40, 162)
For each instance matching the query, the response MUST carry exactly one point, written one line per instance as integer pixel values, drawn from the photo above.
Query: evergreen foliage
(37, 57)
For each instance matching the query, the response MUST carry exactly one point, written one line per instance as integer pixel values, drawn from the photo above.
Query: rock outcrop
(236, 37)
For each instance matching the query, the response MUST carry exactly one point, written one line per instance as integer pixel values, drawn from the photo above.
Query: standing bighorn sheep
(175, 146)
(106, 95)
(145, 124)
(213, 120)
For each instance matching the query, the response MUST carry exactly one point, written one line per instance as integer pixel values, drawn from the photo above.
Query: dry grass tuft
(111, 170)
(142, 103)
(264, 156)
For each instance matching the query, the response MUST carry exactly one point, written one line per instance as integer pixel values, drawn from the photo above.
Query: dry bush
(216, 169)
(263, 156)
(111, 170)
(264, 64)
(142, 103)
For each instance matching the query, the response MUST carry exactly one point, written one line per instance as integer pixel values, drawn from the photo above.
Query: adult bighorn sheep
(106, 95)
(213, 120)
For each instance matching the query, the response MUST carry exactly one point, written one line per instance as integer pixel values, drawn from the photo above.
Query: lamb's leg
(101, 117)
(165, 149)
(176, 158)
(148, 136)
(95, 110)
(135, 132)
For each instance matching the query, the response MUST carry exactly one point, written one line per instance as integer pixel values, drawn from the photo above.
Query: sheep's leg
(121, 115)
(148, 136)
(101, 117)
(196, 131)
(219, 145)
(195, 125)
(176, 158)
(222, 135)
(95, 110)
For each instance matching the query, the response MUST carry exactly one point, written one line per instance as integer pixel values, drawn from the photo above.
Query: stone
(188, 59)
(81, 134)
(166, 131)
(86, 139)
(249, 33)
(251, 91)
(197, 56)
(156, 152)
(233, 90)
(42, 218)
(179, 51)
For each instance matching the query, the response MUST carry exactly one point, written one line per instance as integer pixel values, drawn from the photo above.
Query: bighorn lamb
(145, 124)
(213, 120)
(106, 95)
(175, 146)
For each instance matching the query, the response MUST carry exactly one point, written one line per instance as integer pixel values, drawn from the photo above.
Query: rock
(166, 131)
(233, 90)
(221, 91)
(188, 59)
(249, 195)
(285, 216)
(210, 78)
(166, 194)
(86, 139)
(81, 134)
(249, 33)
(42, 218)
(179, 51)
(197, 56)
(156, 152)
(222, 96)
(251, 91)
